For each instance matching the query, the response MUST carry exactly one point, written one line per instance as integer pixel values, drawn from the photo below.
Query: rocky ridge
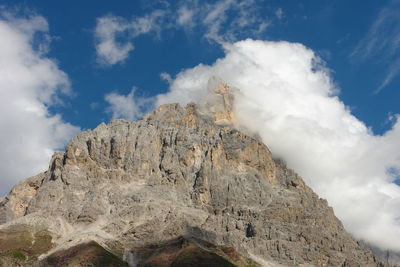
(181, 184)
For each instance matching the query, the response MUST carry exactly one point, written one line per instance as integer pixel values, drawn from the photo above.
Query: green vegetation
(42, 243)
(17, 254)
(21, 243)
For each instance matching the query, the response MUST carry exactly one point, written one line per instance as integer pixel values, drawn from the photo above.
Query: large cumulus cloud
(30, 82)
(288, 98)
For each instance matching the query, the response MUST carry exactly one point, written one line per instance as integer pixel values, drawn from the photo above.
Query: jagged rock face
(128, 185)
(386, 256)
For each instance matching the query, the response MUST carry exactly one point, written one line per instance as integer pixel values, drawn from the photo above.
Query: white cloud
(109, 50)
(114, 35)
(246, 20)
(127, 106)
(392, 72)
(288, 98)
(383, 41)
(279, 13)
(185, 16)
(166, 77)
(215, 16)
(29, 83)
(223, 20)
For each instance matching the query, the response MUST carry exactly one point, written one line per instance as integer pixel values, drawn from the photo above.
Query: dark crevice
(250, 230)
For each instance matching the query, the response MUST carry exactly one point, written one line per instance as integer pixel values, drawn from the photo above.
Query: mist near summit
(288, 98)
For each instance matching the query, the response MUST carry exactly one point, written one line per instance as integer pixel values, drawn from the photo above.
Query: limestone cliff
(176, 187)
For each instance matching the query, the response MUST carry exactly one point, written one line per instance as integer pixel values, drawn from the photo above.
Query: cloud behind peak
(289, 99)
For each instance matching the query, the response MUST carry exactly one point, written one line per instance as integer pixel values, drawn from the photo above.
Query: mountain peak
(180, 172)
(219, 104)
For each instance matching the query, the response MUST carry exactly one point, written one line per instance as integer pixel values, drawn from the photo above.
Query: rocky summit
(180, 187)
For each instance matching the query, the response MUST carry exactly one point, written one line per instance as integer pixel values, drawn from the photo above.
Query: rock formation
(179, 187)
(387, 256)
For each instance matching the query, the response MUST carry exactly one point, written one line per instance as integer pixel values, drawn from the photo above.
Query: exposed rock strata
(176, 173)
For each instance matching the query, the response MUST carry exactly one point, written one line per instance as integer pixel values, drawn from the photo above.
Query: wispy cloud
(185, 16)
(393, 71)
(383, 41)
(109, 51)
(217, 21)
(128, 106)
(225, 20)
(114, 35)
(166, 77)
(279, 13)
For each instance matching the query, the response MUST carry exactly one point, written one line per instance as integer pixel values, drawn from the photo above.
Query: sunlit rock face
(180, 173)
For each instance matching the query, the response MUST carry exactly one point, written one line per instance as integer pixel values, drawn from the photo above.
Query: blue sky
(333, 29)
(319, 83)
